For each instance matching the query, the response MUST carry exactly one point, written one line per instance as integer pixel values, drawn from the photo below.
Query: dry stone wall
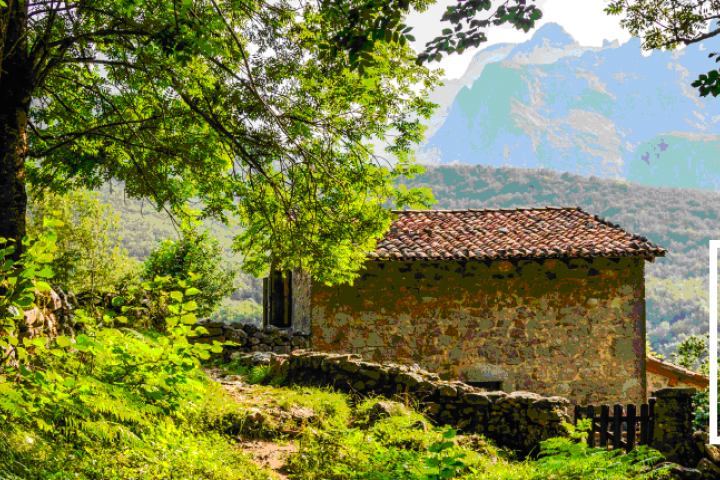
(250, 338)
(574, 328)
(518, 420)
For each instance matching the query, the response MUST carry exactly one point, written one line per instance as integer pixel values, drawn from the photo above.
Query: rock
(236, 333)
(409, 379)
(712, 452)
(387, 409)
(446, 417)
(709, 470)
(303, 414)
(420, 425)
(478, 399)
(261, 358)
(447, 391)
(680, 473)
(255, 416)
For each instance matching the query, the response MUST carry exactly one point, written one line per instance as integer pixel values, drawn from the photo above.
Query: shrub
(692, 353)
(197, 253)
(109, 403)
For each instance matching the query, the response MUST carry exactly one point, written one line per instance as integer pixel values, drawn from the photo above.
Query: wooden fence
(623, 429)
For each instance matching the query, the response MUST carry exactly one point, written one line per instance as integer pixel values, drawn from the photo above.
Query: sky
(584, 20)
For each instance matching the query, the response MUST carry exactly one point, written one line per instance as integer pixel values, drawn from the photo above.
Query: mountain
(551, 103)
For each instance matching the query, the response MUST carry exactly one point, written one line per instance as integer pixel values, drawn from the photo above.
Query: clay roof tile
(508, 233)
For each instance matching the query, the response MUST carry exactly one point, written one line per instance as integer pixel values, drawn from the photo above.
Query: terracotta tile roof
(507, 233)
(676, 373)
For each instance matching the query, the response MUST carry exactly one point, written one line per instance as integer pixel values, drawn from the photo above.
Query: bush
(693, 354)
(197, 253)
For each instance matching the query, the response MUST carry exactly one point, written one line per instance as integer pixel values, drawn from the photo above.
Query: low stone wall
(251, 338)
(518, 420)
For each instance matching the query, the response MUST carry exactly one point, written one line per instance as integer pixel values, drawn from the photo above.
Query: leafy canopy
(199, 254)
(668, 23)
(227, 102)
(89, 255)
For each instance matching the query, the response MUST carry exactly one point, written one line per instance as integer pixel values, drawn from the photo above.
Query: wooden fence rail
(624, 428)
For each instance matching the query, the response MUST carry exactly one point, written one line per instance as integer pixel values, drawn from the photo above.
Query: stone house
(548, 300)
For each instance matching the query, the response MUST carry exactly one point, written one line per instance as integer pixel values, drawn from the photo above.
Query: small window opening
(489, 386)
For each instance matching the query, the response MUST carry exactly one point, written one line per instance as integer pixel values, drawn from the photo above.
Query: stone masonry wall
(250, 338)
(574, 328)
(519, 420)
(301, 295)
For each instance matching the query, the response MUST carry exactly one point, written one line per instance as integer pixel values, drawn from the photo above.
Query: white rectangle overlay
(714, 245)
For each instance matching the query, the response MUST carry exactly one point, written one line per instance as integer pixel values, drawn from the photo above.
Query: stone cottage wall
(574, 328)
(301, 302)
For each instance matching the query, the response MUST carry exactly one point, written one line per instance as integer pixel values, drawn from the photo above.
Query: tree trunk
(15, 90)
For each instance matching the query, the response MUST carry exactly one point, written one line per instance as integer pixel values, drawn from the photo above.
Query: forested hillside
(681, 220)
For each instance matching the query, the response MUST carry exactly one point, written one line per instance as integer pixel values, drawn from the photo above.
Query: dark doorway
(277, 299)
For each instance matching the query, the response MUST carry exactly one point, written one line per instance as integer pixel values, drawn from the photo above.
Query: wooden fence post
(644, 423)
(617, 426)
(604, 414)
(630, 428)
(591, 415)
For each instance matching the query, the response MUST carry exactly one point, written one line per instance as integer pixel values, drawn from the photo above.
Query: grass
(342, 442)
(111, 431)
(336, 435)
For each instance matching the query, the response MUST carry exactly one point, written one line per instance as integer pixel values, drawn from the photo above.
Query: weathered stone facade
(567, 327)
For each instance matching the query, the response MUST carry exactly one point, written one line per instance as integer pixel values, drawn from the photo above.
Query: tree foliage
(200, 254)
(223, 101)
(89, 255)
(669, 23)
(363, 24)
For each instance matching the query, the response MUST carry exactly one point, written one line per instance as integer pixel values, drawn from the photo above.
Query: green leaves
(446, 464)
(520, 15)
(663, 24)
(708, 84)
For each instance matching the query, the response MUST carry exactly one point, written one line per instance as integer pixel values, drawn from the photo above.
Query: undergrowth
(109, 402)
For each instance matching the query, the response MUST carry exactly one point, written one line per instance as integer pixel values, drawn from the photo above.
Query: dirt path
(266, 454)
(269, 455)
